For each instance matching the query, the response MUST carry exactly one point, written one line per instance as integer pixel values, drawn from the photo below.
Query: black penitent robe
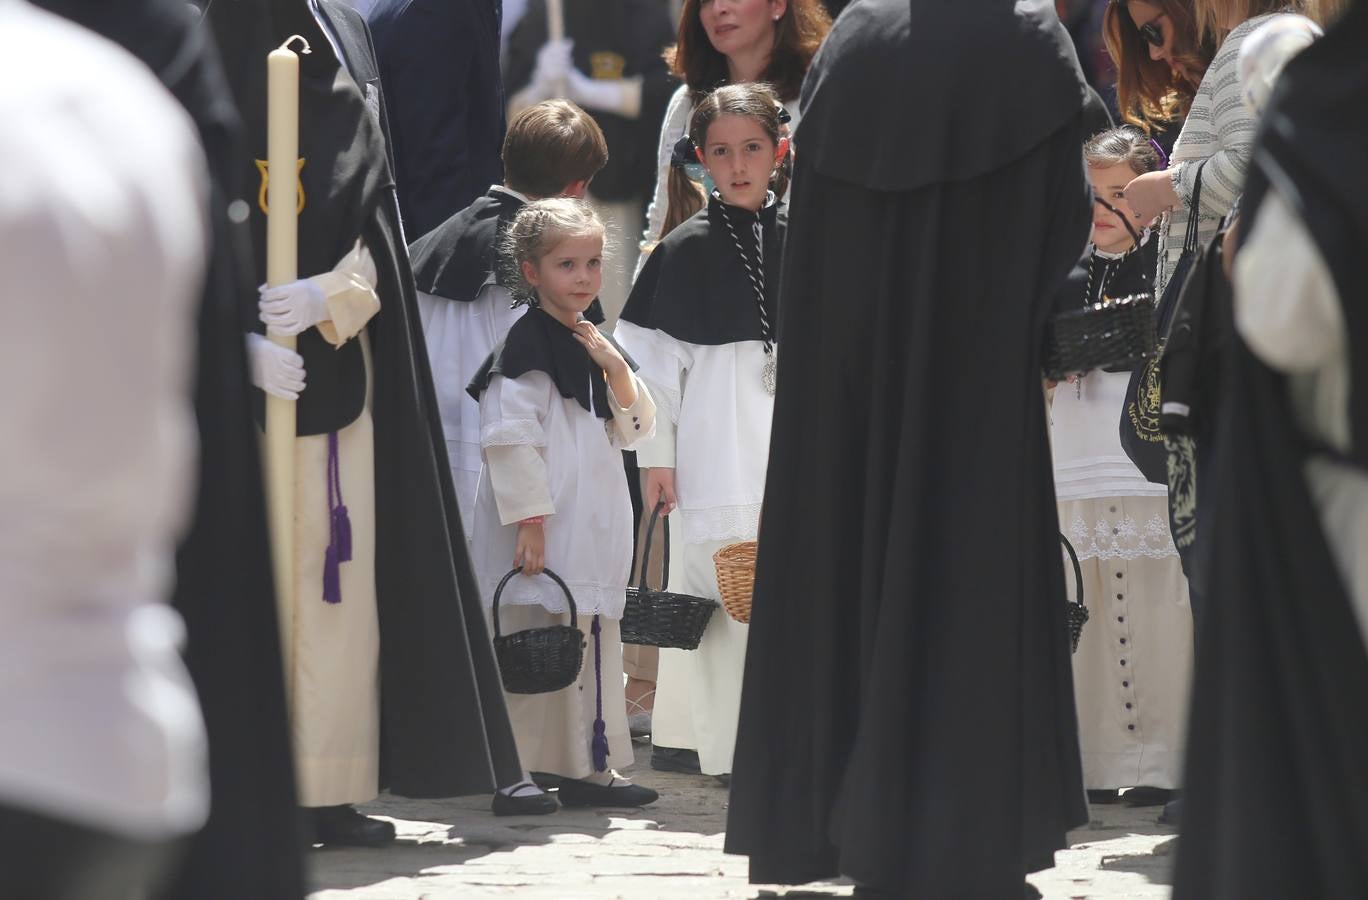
(224, 591)
(444, 728)
(908, 665)
(1282, 674)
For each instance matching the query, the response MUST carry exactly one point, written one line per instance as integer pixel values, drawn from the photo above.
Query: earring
(776, 18)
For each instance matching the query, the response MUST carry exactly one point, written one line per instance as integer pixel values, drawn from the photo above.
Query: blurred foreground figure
(909, 659)
(102, 237)
(1276, 804)
(250, 846)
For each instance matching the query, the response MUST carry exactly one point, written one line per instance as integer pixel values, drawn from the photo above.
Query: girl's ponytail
(685, 196)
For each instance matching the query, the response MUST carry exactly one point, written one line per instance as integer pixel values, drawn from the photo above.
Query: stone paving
(669, 851)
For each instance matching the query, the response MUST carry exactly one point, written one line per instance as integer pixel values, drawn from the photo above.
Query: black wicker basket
(1113, 334)
(660, 618)
(1077, 612)
(538, 660)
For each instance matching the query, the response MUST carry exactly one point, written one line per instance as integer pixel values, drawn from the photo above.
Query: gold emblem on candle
(265, 169)
(607, 66)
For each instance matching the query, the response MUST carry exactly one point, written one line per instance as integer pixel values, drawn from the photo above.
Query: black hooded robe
(444, 730)
(909, 664)
(224, 590)
(1276, 783)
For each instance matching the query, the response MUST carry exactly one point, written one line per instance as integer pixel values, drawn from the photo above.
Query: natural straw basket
(735, 565)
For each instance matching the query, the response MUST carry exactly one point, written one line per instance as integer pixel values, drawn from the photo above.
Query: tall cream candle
(282, 260)
(555, 31)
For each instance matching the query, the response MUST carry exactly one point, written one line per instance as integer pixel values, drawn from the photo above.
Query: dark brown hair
(1127, 145)
(749, 101)
(550, 145)
(798, 34)
(1147, 92)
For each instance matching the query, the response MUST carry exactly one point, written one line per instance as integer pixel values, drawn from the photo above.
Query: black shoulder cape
(694, 285)
(1279, 687)
(877, 633)
(539, 343)
(444, 727)
(224, 589)
(1014, 57)
(456, 257)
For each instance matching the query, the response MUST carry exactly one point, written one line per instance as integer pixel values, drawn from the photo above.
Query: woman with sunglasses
(1179, 35)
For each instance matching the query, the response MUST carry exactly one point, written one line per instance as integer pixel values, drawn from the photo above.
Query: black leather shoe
(582, 793)
(1103, 797)
(343, 826)
(672, 759)
(523, 804)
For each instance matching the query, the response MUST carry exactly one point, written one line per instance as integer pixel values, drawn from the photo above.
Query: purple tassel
(332, 577)
(341, 524)
(599, 745)
(339, 528)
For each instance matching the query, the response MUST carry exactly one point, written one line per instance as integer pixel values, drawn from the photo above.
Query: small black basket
(1113, 334)
(1077, 612)
(538, 660)
(660, 618)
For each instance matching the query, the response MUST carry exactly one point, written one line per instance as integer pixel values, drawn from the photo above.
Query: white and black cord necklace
(756, 271)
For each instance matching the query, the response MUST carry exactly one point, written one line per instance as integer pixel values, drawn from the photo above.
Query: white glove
(554, 65)
(288, 309)
(619, 96)
(276, 370)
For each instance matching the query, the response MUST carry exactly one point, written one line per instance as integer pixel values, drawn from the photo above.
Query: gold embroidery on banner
(1143, 408)
(607, 66)
(264, 168)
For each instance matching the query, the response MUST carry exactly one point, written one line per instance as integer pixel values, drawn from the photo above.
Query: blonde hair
(535, 231)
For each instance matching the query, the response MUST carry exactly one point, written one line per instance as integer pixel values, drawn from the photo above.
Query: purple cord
(339, 528)
(599, 744)
(1163, 157)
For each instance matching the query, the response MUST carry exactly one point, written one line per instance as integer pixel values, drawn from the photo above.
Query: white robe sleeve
(350, 289)
(1286, 304)
(671, 130)
(513, 440)
(633, 424)
(664, 364)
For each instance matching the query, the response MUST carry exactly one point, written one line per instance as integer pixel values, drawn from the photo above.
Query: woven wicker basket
(1113, 335)
(538, 660)
(663, 618)
(735, 566)
(1077, 609)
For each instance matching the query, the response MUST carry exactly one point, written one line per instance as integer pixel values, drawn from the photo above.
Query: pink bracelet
(533, 520)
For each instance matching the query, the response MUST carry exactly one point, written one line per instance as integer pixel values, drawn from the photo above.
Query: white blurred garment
(102, 244)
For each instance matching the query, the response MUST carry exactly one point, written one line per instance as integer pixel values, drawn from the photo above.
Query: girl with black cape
(441, 723)
(1282, 677)
(896, 686)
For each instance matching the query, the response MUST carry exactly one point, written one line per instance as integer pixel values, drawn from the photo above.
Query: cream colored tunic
(335, 682)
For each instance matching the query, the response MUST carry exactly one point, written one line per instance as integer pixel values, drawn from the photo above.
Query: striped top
(1218, 128)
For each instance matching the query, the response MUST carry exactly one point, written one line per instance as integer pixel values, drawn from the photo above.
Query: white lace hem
(1124, 538)
(721, 523)
(511, 432)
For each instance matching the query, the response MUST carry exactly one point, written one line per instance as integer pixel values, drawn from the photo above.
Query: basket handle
(646, 551)
(1077, 569)
(498, 592)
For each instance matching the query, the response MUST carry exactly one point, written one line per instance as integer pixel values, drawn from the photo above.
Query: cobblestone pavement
(669, 851)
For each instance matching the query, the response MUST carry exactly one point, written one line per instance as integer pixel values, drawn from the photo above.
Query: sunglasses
(1151, 33)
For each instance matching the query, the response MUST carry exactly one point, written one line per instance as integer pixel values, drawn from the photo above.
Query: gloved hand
(288, 309)
(276, 370)
(619, 96)
(554, 65)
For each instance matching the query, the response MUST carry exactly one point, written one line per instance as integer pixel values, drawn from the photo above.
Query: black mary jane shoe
(1146, 796)
(582, 793)
(673, 759)
(1103, 797)
(343, 826)
(521, 804)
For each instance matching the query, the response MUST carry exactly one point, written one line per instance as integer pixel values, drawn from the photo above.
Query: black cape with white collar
(454, 259)
(694, 286)
(538, 343)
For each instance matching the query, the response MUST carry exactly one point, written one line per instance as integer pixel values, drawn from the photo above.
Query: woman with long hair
(729, 42)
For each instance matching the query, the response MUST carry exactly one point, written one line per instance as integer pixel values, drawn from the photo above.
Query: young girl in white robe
(558, 404)
(699, 322)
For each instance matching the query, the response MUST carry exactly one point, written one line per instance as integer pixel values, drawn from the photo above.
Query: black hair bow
(685, 153)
